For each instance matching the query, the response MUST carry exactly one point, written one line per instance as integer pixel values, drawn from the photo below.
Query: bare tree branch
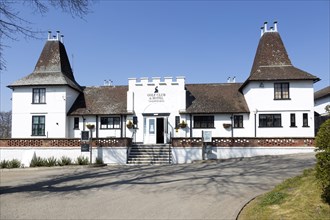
(12, 25)
(5, 124)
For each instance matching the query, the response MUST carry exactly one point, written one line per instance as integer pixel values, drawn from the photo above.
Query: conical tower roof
(272, 61)
(53, 68)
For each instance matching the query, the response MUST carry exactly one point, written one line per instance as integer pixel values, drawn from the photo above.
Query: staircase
(150, 154)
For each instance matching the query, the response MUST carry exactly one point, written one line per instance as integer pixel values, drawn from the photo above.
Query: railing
(245, 142)
(64, 142)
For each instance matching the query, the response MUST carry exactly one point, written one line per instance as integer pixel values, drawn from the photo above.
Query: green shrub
(64, 161)
(81, 160)
(14, 163)
(4, 164)
(322, 143)
(51, 161)
(38, 162)
(99, 160)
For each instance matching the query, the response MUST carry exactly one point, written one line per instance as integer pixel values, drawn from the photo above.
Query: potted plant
(90, 126)
(225, 125)
(130, 124)
(183, 124)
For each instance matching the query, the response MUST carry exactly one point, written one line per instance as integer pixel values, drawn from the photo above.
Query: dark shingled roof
(103, 100)
(201, 98)
(52, 68)
(272, 62)
(322, 93)
(215, 98)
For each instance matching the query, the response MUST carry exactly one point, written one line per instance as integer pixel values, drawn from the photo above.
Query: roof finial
(265, 30)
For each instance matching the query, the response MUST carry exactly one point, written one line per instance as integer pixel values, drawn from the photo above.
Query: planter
(130, 125)
(183, 124)
(90, 126)
(226, 125)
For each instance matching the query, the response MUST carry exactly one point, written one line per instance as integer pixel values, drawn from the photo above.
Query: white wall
(59, 100)
(110, 155)
(220, 131)
(54, 110)
(186, 154)
(102, 133)
(237, 152)
(142, 99)
(189, 154)
(261, 100)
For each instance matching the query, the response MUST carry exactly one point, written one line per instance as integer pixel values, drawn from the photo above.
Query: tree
(5, 124)
(12, 24)
(327, 109)
(323, 159)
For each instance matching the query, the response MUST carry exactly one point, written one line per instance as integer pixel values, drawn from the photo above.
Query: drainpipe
(255, 122)
(232, 125)
(122, 128)
(97, 126)
(190, 132)
(84, 122)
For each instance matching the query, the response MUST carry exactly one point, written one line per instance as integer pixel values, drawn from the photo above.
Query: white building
(276, 100)
(321, 100)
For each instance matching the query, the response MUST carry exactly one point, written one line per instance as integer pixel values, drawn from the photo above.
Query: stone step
(147, 163)
(149, 154)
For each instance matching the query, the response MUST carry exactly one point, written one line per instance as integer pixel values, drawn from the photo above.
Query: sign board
(84, 135)
(207, 136)
(84, 147)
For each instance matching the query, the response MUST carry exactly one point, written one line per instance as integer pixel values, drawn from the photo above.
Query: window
(203, 121)
(238, 121)
(76, 123)
(270, 120)
(38, 125)
(110, 122)
(177, 122)
(281, 91)
(39, 96)
(305, 120)
(293, 120)
(151, 126)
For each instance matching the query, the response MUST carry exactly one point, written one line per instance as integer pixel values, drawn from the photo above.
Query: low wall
(186, 150)
(112, 151)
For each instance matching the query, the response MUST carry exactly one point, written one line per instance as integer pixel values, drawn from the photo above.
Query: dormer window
(281, 91)
(39, 96)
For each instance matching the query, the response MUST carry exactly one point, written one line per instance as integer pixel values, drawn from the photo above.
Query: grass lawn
(295, 198)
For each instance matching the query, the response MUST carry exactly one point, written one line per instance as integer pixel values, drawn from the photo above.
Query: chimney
(234, 79)
(49, 35)
(62, 39)
(228, 80)
(265, 26)
(275, 26)
(261, 31)
(58, 35)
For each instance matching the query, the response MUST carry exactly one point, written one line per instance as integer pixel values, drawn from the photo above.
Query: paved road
(216, 190)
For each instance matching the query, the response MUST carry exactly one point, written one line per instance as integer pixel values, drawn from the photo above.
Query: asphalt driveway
(212, 190)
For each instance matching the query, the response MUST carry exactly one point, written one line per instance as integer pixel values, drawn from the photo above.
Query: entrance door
(154, 130)
(160, 131)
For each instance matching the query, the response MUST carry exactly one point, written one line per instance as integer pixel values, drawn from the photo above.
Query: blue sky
(205, 41)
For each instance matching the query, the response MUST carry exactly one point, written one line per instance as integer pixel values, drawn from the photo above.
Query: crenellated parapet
(178, 81)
